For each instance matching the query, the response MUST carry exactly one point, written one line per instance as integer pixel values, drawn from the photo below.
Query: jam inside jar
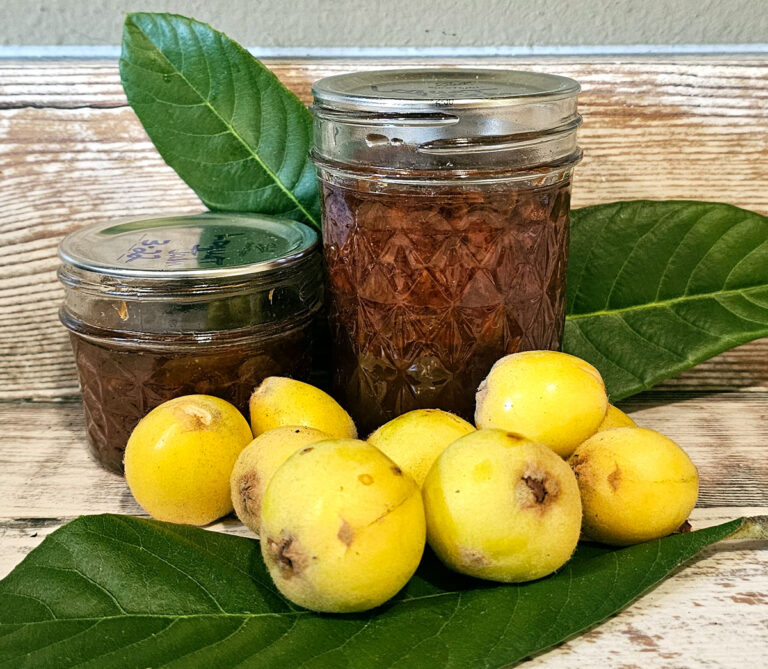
(445, 198)
(209, 304)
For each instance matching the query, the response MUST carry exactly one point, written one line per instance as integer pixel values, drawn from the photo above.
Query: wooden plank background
(73, 153)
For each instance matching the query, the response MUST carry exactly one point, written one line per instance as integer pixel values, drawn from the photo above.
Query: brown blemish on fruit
(614, 478)
(304, 451)
(537, 489)
(473, 558)
(285, 553)
(365, 479)
(580, 467)
(346, 534)
(397, 471)
(248, 488)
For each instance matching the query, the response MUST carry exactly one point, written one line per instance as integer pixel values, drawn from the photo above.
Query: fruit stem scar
(541, 487)
(537, 488)
(199, 416)
(286, 555)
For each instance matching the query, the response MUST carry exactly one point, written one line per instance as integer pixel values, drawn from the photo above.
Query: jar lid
(447, 119)
(205, 246)
(430, 89)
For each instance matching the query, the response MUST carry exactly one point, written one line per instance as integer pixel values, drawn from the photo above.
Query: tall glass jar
(209, 304)
(445, 228)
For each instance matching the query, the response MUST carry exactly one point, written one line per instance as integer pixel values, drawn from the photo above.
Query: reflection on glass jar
(445, 246)
(207, 304)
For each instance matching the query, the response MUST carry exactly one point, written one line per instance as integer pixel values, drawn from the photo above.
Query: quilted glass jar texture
(445, 230)
(209, 304)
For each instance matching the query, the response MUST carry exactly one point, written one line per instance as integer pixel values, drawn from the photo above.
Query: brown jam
(445, 223)
(429, 287)
(121, 385)
(209, 304)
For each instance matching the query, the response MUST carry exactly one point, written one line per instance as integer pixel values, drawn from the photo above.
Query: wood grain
(724, 433)
(710, 614)
(73, 153)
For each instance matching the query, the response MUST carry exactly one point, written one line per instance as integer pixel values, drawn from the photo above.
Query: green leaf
(653, 287)
(120, 591)
(656, 287)
(222, 120)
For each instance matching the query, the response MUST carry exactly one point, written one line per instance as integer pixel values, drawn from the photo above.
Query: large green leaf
(656, 287)
(219, 118)
(121, 591)
(653, 287)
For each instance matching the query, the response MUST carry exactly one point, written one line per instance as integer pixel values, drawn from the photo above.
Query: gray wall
(398, 23)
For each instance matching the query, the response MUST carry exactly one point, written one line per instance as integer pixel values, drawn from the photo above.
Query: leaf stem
(754, 528)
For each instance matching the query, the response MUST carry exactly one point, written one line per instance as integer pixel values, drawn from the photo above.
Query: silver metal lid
(445, 119)
(425, 90)
(205, 246)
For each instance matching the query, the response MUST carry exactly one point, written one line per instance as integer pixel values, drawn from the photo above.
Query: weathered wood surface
(42, 449)
(711, 614)
(72, 153)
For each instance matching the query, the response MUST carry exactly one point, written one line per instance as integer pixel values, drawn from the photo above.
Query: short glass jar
(208, 304)
(446, 197)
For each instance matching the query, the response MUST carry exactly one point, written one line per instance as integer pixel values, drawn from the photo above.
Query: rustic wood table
(73, 153)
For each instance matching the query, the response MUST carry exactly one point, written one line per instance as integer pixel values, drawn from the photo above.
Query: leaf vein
(704, 255)
(237, 136)
(604, 354)
(162, 559)
(110, 651)
(664, 303)
(86, 578)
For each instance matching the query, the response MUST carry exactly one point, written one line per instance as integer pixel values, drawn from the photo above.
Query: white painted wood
(72, 153)
(714, 613)
(43, 449)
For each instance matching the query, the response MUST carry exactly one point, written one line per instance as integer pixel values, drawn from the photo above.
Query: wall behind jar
(400, 27)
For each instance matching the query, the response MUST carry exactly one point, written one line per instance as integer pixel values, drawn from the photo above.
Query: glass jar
(208, 304)
(445, 197)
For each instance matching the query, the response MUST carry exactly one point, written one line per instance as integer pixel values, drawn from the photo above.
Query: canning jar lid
(430, 89)
(211, 247)
(439, 118)
(190, 276)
